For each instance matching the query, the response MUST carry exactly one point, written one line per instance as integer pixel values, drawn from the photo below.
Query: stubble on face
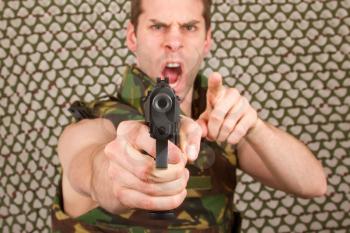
(171, 41)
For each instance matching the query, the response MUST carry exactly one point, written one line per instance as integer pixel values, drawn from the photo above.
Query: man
(108, 162)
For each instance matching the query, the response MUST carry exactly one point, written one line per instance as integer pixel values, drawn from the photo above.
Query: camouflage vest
(208, 206)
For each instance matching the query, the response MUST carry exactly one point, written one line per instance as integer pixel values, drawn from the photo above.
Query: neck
(186, 104)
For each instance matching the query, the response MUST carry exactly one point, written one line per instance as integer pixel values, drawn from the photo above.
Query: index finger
(145, 142)
(137, 134)
(214, 87)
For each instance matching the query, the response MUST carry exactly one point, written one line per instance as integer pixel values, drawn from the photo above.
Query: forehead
(170, 10)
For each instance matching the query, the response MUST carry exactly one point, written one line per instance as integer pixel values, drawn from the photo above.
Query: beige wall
(291, 58)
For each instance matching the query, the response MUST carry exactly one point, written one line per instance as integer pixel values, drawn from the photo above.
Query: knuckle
(220, 138)
(125, 127)
(117, 192)
(150, 189)
(173, 149)
(147, 203)
(187, 176)
(179, 173)
(233, 116)
(216, 117)
(111, 147)
(121, 127)
(240, 130)
(183, 183)
(147, 188)
(233, 138)
(240, 103)
(153, 151)
(145, 174)
(227, 126)
(111, 172)
(138, 137)
(141, 128)
(107, 151)
(176, 201)
(122, 198)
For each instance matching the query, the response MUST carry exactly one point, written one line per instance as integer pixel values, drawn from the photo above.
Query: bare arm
(280, 161)
(268, 154)
(79, 146)
(115, 169)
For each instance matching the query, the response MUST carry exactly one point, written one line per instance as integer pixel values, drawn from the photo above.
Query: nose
(174, 40)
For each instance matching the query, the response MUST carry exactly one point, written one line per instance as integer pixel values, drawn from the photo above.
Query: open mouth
(173, 71)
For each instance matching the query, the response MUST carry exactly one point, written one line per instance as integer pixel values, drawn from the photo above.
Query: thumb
(203, 122)
(214, 87)
(175, 155)
(190, 138)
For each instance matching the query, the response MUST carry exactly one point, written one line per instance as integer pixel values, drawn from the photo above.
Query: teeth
(173, 65)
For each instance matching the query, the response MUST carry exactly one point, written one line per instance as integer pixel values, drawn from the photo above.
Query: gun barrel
(162, 114)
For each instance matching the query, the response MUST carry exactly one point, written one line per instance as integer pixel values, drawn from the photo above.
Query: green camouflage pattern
(208, 206)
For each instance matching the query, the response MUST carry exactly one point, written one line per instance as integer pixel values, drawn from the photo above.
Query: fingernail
(192, 152)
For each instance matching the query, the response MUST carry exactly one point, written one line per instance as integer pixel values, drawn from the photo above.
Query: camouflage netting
(291, 58)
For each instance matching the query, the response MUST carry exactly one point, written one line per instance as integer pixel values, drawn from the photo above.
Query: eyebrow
(157, 21)
(192, 22)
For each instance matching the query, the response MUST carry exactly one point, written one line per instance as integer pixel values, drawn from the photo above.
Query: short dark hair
(136, 11)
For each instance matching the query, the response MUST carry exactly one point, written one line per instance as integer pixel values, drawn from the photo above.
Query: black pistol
(162, 115)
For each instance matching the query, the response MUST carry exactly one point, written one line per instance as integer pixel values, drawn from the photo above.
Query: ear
(131, 37)
(208, 42)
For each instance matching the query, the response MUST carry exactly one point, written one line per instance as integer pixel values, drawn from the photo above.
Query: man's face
(171, 41)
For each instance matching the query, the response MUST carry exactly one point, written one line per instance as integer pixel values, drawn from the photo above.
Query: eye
(157, 27)
(190, 28)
